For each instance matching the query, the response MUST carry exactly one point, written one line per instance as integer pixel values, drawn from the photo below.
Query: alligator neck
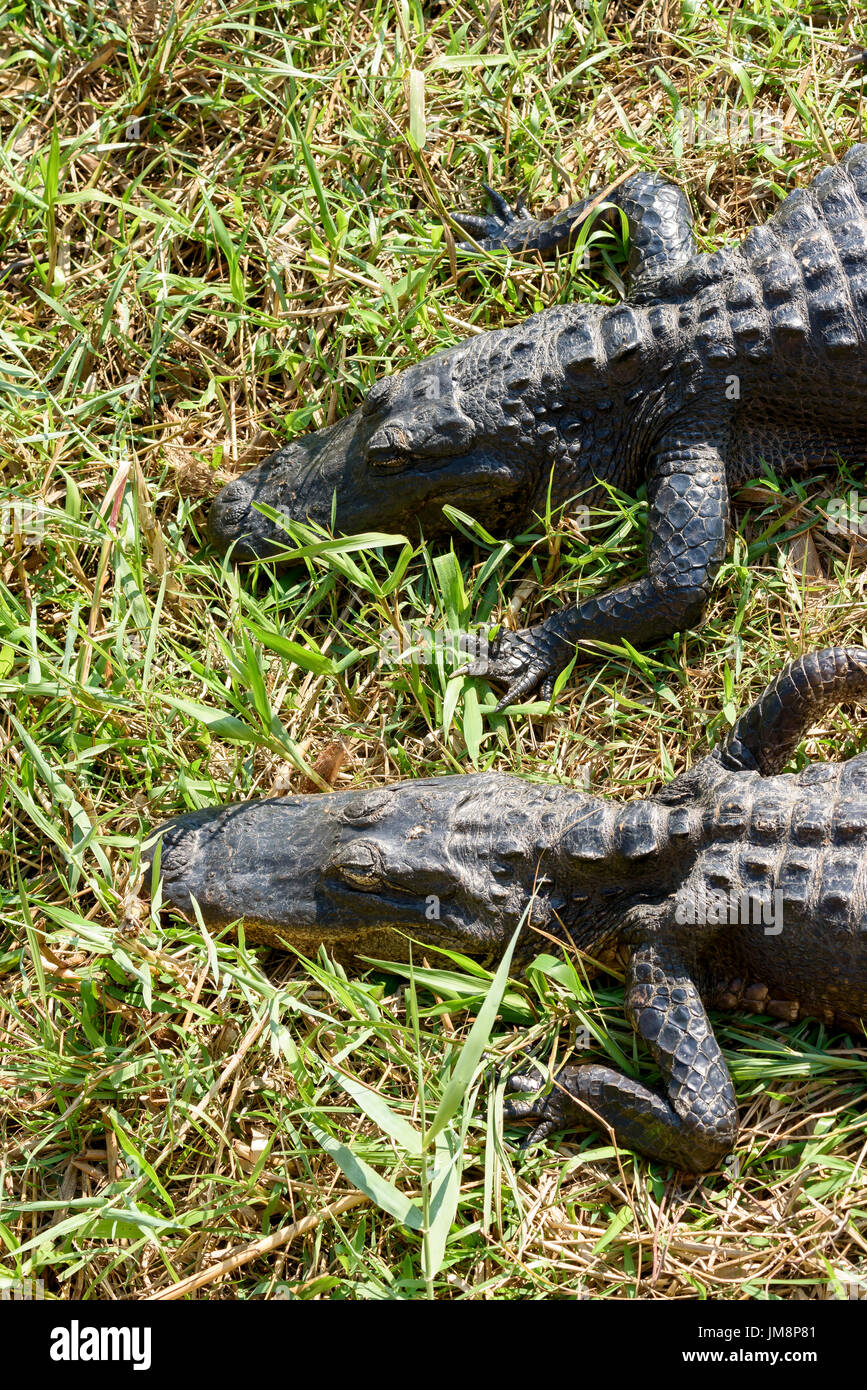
(573, 395)
(610, 842)
(596, 860)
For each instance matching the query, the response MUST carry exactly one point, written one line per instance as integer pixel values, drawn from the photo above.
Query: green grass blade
(377, 1108)
(477, 1041)
(380, 1191)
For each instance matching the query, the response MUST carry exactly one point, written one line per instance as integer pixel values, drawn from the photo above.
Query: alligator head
(417, 442)
(447, 861)
(365, 872)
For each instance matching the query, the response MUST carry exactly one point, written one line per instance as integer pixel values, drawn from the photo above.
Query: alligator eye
(359, 864)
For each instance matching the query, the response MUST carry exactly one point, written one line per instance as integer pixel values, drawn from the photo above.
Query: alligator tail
(767, 734)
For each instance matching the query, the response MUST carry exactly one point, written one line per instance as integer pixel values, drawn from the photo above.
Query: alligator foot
(521, 661)
(694, 1124)
(557, 1110)
(497, 228)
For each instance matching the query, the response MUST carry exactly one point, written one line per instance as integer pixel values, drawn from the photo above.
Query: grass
(220, 224)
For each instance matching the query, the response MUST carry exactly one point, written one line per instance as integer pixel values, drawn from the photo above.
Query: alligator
(714, 365)
(735, 885)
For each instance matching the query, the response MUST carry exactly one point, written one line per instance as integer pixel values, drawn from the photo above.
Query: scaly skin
(716, 363)
(458, 862)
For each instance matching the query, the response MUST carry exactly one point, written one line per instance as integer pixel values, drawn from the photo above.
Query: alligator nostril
(234, 495)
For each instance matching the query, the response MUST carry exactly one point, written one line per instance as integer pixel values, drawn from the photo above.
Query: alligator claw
(490, 231)
(472, 222)
(520, 661)
(556, 1110)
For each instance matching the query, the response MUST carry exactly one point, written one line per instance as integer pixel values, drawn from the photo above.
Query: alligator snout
(266, 861)
(235, 524)
(418, 442)
(180, 847)
(229, 513)
(300, 481)
(233, 502)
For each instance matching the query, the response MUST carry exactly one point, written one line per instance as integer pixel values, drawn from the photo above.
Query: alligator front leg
(688, 509)
(695, 1124)
(659, 217)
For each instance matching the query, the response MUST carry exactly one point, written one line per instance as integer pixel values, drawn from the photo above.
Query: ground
(220, 224)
